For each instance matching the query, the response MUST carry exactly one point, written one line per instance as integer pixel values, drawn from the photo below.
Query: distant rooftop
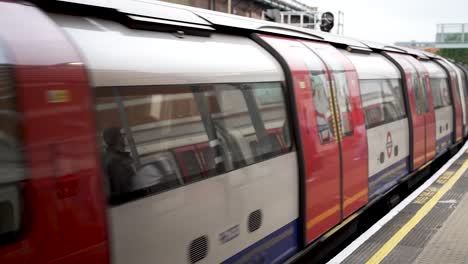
(448, 36)
(452, 35)
(287, 5)
(415, 44)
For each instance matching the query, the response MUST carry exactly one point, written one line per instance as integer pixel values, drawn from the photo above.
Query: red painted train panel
(429, 116)
(351, 126)
(320, 148)
(64, 209)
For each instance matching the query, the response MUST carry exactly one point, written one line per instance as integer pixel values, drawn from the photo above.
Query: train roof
(163, 16)
(139, 63)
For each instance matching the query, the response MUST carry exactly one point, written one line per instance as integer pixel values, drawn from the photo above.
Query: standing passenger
(118, 164)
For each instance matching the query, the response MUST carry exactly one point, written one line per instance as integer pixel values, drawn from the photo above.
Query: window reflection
(12, 167)
(344, 105)
(422, 106)
(382, 101)
(323, 115)
(440, 92)
(158, 138)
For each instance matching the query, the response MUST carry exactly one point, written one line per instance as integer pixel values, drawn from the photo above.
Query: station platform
(429, 226)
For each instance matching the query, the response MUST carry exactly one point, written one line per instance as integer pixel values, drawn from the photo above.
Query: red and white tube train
(157, 133)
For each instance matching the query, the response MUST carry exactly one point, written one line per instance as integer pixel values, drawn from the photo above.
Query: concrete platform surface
(430, 228)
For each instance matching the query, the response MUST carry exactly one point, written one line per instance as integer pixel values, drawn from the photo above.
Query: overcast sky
(394, 20)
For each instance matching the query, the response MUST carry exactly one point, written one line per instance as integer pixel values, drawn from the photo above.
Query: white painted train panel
(435, 71)
(444, 128)
(161, 227)
(388, 147)
(117, 55)
(373, 66)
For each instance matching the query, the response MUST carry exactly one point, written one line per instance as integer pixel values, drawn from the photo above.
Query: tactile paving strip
(409, 248)
(449, 245)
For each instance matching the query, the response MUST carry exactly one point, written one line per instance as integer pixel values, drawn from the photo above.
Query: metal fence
(452, 33)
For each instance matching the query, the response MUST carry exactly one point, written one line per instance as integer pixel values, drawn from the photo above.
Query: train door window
(344, 105)
(321, 97)
(440, 92)
(457, 91)
(464, 81)
(323, 115)
(158, 138)
(12, 170)
(419, 85)
(331, 57)
(419, 93)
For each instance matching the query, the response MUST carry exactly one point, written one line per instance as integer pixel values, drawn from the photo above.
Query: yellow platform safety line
(425, 209)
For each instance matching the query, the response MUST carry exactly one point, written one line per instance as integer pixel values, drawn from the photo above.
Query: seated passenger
(148, 175)
(118, 164)
(159, 173)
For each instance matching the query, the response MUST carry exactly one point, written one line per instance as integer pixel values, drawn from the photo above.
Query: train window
(332, 57)
(321, 97)
(463, 81)
(382, 101)
(344, 105)
(267, 96)
(457, 91)
(440, 92)
(393, 100)
(12, 170)
(323, 115)
(452, 78)
(159, 138)
(420, 94)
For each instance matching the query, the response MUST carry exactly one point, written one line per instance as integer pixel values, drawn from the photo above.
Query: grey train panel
(117, 55)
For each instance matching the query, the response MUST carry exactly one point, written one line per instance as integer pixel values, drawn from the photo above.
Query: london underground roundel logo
(389, 144)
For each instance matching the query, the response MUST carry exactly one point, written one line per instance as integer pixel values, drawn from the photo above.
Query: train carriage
(463, 95)
(156, 132)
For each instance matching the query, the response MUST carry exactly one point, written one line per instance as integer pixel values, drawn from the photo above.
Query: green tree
(458, 55)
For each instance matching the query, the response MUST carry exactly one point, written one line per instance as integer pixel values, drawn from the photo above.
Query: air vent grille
(255, 220)
(198, 249)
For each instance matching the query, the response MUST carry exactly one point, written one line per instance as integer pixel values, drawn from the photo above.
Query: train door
(351, 128)
(463, 95)
(442, 106)
(319, 135)
(51, 201)
(320, 178)
(464, 75)
(418, 107)
(456, 100)
(428, 114)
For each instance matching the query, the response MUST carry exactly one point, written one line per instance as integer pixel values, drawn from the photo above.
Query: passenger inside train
(117, 163)
(177, 135)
